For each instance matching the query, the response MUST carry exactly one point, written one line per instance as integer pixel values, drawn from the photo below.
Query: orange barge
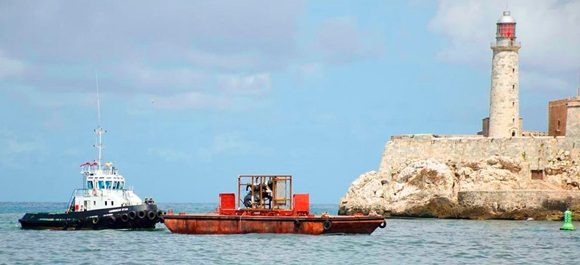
(268, 207)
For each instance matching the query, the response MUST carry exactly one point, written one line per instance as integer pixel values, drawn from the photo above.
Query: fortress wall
(531, 152)
(573, 119)
(518, 199)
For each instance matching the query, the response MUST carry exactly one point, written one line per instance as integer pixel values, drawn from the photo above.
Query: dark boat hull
(143, 216)
(240, 224)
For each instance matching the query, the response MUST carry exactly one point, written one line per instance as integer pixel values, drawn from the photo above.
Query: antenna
(99, 130)
(98, 100)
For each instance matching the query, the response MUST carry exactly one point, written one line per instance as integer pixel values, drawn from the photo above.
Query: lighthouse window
(109, 184)
(89, 185)
(101, 184)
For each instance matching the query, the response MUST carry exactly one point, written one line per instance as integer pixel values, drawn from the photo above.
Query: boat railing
(91, 192)
(82, 192)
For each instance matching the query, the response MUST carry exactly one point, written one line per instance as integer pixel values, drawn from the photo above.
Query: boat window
(109, 184)
(89, 185)
(112, 203)
(105, 203)
(115, 185)
(94, 202)
(122, 184)
(101, 184)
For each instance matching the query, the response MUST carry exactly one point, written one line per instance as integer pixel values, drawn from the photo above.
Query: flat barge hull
(235, 224)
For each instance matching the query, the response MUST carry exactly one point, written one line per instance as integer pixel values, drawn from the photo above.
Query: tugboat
(268, 207)
(104, 202)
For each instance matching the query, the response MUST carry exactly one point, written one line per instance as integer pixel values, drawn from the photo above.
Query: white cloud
(185, 54)
(547, 29)
(541, 82)
(10, 67)
(340, 40)
(307, 71)
(229, 144)
(15, 151)
(163, 81)
(191, 100)
(252, 84)
(169, 154)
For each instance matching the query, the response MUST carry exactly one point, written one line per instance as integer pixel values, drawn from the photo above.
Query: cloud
(60, 30)
(245, 84)
(547, 30)
(191, 100)
(169, 154)
(161, 81)
(340, 40)
(541, 82)
(229, 144)
(10, 67)
(183, 51)
(307, 71)
(15, 151)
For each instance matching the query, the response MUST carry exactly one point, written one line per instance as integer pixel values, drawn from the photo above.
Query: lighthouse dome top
(506, 18)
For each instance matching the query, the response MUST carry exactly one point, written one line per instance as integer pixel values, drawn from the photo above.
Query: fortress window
(513, 133)
(513, 70)
(513, 87)
(513, 103)
(558, 127)
(538, 174)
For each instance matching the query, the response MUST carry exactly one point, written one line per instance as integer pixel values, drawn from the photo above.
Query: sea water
(403, 241)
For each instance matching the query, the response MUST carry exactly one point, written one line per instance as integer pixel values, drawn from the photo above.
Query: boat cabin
(100, 179)
(103, 187)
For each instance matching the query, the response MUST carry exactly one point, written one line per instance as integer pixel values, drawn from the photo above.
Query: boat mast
(99, 130)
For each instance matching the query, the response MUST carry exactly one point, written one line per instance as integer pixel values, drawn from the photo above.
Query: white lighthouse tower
(504, 117)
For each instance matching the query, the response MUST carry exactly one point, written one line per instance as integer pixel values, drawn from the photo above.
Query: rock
(493, 187)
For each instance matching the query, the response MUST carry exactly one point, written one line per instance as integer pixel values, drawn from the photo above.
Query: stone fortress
(503, 172)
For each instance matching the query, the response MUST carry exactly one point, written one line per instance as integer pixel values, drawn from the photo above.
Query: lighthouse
(504, 118)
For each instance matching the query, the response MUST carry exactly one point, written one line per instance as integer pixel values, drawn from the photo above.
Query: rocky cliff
(470, 177)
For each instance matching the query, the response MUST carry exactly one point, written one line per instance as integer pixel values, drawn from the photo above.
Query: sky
(194, 93)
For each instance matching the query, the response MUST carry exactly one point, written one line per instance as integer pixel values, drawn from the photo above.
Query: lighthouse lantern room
(506, 29)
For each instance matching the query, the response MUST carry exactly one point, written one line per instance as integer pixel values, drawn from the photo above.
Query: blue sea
(403, 241)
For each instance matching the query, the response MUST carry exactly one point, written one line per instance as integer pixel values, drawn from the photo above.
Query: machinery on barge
(268, 206)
